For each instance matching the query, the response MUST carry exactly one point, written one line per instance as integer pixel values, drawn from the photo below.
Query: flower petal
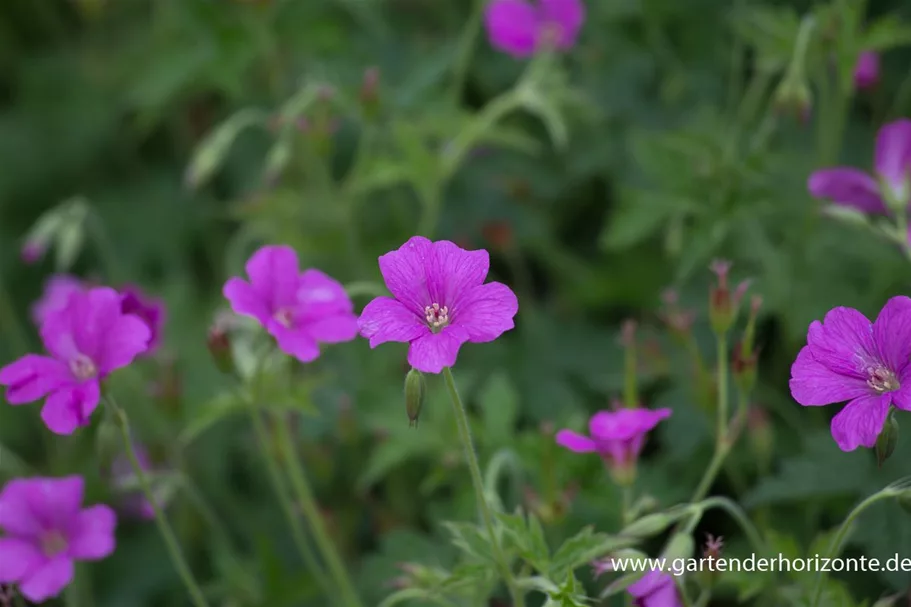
(333, 329)
(244, 300)
(321, 295)
(892, 333)
(56, 296)
(128, 337)
(49, 580)
(860, 422)
(848, 187)
(386, 319)
(16, 514)
(92, 535)
(575, 441)
(275, 274)
(512, 27)
(651, 584)
(18, 557)
(433, 351)
(813, 384)
(69, 408)
(567, 15)
(844, 343)
(901, 398)
(454, 272)
(893, 156)
(294, 342)
(32, 377)
(486, 311)
(28, 507)
(405, 273)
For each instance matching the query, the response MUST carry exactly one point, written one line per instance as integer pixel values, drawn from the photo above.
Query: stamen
(53, 543)
(436, 316)
(882, 379)
(82, 367)
(284, 317)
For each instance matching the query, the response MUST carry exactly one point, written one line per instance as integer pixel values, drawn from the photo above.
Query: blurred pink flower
(521, 27)
(866, 71)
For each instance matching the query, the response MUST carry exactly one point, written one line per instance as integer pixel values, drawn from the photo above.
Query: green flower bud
(415, 395)
(681, 546)
(885, 443)
(219, 345)
(653, 524)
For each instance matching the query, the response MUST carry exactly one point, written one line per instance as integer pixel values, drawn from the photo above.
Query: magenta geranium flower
(848, 358)
(300, 310)
(56, 295)
(46, 530)
(852, 187)
(521, 27)
(655, 589)
(617, 436)
(124, 480)
(87, 340)
(866, 71)
(439, 302)
(149, 310)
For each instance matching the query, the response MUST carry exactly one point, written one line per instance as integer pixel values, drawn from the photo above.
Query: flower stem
(466, 50)
(742, 519)
(840, 535)
(518, 599)
(176, 554)
(722, 446)
(308, 503)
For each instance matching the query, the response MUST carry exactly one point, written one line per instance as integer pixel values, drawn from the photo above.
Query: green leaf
(639, 215)
(583, 548)
(886, 33)
(527, 537)
(472, 540)
(394, 452)
(222, 406)
(11, 465)
(499, 401)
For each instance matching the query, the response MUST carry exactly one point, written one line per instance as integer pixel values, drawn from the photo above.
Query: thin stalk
(466, 50)
(742, 519)
(174, 551)
(518, 599)
(301, 486)
(273, 468)
(722, 445)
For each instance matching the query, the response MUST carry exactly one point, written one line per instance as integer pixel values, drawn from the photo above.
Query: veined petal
(892, 333)
(32, 377)
(512, 26)
(567, 15)
(48, 580)
(93, 533)
(17, 558)
(843, 342)
(848, 187)
(901, 398)
(332, 329)
(128, 337)
(813, 384)
(860, 422)
(245, 300)
(454, 272)
(386, 319)
(405, 273)
(575, 441)
(486, 311)
(69, 408)
(893, 156)
(433, 351)
(294, 342)
(275, 275)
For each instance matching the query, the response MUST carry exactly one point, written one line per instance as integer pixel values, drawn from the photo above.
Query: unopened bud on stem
(415, 395)
(888, 438)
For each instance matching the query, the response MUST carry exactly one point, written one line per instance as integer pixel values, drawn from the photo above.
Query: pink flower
(46, 529)
(617, 436)
(852, 187)
(57, 291)
(124, 479)
(32, 252)
(87, 340)
(866, 71)
(655, 589)
(848, 358)
(440, 302)
(521, 27)
(150, 310)
(300, 310)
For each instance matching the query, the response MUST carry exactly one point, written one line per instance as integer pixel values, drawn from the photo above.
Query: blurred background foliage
(673, 136)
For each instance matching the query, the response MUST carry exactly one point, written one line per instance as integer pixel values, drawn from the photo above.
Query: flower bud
(793, 98)
(212, 151)
(415, 395)
(724, 304)
(681, 546)
(653, 524)
(885, 443)
(370, 92)
(760, 434)
(219, 345)
(866, 71)
(630, 368)
(32, 251)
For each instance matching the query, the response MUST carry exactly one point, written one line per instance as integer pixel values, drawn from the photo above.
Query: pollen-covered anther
(82, 367)
(436, 316)
(284, 317)
(882, 380)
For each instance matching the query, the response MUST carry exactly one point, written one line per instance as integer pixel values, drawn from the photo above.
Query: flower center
(284, 317)
(882, 379)
(437, 317)
(53, 543)
(83, 368)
